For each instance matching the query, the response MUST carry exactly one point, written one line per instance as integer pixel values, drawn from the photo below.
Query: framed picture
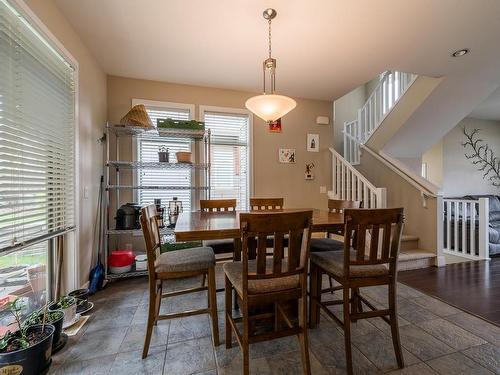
(275, 126)
(313, 142)
(287, 155)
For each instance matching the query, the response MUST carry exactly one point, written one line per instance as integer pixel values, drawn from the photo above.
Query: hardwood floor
(471, 286)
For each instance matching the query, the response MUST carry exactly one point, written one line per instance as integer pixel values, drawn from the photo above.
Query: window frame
(71, 272)
(135, 143)
(239, 111)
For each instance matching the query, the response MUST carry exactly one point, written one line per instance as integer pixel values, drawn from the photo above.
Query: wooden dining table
(200, 225)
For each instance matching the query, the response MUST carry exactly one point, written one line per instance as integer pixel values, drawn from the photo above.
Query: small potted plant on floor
(68, 305)
(28, 350)
(51, 317)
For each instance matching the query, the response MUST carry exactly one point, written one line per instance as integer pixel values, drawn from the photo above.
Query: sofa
(494, 227)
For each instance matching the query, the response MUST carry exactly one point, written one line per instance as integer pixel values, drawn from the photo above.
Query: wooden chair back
(255, 227)
(213, 205)
(375, 236)
(266, 204)
(339, 205)
(151, 232)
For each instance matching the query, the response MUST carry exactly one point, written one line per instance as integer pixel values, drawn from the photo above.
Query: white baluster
(472, 228)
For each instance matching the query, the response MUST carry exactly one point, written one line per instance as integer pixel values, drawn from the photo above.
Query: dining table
(201, 225)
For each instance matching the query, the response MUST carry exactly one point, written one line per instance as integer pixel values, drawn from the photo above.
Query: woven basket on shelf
(137, 116)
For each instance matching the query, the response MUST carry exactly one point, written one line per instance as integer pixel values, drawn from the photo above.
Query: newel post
(484, 223)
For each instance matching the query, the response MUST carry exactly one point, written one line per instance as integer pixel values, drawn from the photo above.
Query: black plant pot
(80, 294)
(58, 326)
(31, 361)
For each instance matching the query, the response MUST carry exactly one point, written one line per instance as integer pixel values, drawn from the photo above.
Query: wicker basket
(183, 157)
(137, 116)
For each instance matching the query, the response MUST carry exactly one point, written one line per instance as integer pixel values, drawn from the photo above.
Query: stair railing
(392, 86)
(349, 184)
(463, 227)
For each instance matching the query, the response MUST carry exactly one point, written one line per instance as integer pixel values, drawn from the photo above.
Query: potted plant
(68, 305)
(54, 318)
(27, 350)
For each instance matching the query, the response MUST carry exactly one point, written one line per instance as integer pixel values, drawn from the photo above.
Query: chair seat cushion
(220, 246)
(186, 260)
(333, 262)
(234, 272)
(325, 244)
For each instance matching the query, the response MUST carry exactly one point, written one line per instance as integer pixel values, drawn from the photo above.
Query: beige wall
(433, 157)
(92, 115)
(271, 179)
(419, 221)
(345, 109)
(460, 176)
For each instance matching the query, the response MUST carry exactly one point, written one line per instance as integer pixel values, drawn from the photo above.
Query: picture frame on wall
(313, 142)
(287, 155)
(275, 126)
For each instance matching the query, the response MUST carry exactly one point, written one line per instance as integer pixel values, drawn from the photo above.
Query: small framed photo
(287, 155)
(275, 126)
(313, 142)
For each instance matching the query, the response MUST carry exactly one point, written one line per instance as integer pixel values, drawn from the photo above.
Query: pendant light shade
(270, 107)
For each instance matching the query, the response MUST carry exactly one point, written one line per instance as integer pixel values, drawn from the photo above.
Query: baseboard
(440, 261)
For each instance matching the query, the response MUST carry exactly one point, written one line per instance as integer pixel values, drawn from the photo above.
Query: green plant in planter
(66, 301)
(19, 337)
(42, 316)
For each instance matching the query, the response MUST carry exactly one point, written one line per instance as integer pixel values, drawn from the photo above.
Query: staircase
(349, 183)
(384, 97)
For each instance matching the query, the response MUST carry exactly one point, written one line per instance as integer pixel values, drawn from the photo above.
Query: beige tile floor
(436, 339)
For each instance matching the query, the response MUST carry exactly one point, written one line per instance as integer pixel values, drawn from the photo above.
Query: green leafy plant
(41, 315)
(20, 337)
(66, 301)
(482, 156)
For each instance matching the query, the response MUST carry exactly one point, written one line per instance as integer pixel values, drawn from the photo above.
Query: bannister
(426, 188)
(463, 227)
(384, 97)
(349, 184)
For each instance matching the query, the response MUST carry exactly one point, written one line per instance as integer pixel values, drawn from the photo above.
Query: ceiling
(324, 48)
(489, 109)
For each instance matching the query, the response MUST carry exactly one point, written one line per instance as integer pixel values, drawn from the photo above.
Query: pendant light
(270, 106)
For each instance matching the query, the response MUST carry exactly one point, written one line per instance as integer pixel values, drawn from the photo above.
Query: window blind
(37, 99)
(229, 156)
(148, 152)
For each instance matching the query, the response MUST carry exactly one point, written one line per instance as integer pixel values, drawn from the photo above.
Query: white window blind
(229, 156)
(37, 99)
(147, 151)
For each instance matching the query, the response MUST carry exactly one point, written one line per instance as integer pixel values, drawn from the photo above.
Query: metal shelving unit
(115, 165)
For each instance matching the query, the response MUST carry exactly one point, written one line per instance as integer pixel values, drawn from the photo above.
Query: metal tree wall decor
(482, 156)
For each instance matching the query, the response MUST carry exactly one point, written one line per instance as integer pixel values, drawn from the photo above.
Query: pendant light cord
(269, 21)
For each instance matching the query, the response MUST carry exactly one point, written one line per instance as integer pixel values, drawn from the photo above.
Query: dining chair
(277, 281)
(175, 265)
(372, 239)
(216, 205)
(269, 204)
(220, 246)
(331, 244)
(266, 204)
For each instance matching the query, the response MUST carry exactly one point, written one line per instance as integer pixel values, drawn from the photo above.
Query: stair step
(414, 259)
(408, 242)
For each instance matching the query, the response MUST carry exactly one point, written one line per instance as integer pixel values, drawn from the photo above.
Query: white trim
(72, 255)
(250, 156)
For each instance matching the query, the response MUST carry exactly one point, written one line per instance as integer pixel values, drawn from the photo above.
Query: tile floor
(436, 339)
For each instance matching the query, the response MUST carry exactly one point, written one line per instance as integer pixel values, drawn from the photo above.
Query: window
(229, 157)
(37, 154)
(147, 151)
